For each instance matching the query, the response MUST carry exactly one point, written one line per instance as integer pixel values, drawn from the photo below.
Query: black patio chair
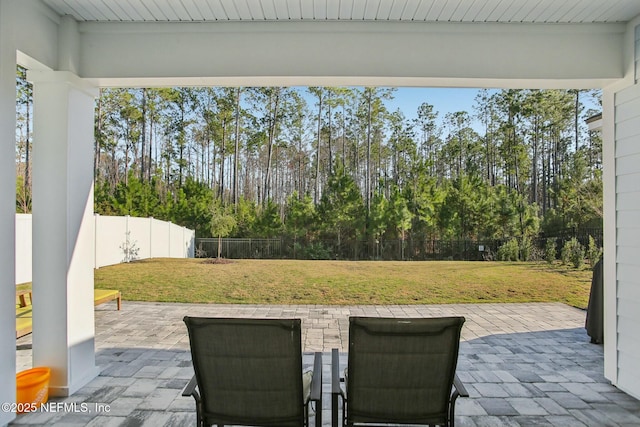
(399, 371)
(249, 372)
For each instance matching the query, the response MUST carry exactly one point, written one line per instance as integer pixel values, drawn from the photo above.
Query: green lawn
(345, 282)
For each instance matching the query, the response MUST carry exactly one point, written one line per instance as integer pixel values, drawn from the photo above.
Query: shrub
(312, 251)
(526, 249)
(593, 252)
(550, 251)
(509, 251)
(573, 252)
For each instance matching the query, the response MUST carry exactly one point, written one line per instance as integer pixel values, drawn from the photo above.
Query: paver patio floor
(523, 364)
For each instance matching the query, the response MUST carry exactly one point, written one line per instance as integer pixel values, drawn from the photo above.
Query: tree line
(335, 163)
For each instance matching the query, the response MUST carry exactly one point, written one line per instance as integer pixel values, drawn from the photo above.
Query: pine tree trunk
(272, 131)
(316, 196)
(236, 150)
(222, 157)
(143, 133)
(368, 177)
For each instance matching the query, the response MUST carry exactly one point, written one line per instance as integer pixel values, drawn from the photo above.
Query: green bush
(514, 250)
(550, 251)
(593, 252)
(573, 253)
(312, 251)
(526, 249)
(509, 251)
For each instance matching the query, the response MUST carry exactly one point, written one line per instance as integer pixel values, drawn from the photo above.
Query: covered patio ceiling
(436, 43)
(511, 11)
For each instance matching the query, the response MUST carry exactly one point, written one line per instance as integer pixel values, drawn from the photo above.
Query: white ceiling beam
(352, 51)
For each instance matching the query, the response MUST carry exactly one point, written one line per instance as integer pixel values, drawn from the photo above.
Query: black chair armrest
(316, 387)
(190, 389)
(316, 381)
(336, 389)
(462, 391)
(335, 372)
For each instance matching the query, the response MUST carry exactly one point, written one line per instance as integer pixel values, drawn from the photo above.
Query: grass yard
(345, 282)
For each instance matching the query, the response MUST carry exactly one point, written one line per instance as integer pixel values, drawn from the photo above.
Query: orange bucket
(32, 387)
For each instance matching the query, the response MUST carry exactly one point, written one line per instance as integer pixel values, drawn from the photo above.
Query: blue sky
(449, 100)
(408, 99)
(444, 100)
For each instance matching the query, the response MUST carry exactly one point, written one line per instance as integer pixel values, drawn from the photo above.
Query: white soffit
(509, 11)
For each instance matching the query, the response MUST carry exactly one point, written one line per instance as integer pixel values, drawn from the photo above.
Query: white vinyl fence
(118, 239)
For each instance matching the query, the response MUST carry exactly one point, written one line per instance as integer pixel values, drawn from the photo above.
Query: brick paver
(524, 364)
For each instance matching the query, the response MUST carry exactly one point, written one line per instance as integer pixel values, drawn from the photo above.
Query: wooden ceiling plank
(510, 12)
(269, 10)
(167, 13)
(319, 10)
(397, 8)
(540, 11)
(230, 10)
(333, 9)
(83, 11)
(281, 10)
(99, 9)
(410, 10)
(588, 13)
(435, 10)
(383, 9)
(125, 11)
(295, 11)
(550, 9)
(464, 9)
(525, 10)
(357, 13)
(141, 10)
(245, 12)
(217, 10)
(422, 11)
(153, 9)
(179, 10)
(371, 10)
(620, 11)
(561, 14)
(449, 9)
(200, 8)
(487, 9)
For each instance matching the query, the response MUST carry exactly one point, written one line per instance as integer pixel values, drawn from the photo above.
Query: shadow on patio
(518, 372)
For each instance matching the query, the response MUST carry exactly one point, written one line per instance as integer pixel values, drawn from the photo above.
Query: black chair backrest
(249, 371)
(401, 370)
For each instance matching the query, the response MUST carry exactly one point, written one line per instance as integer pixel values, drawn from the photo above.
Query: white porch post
(7, 222)
(610, 237)
(63, 235)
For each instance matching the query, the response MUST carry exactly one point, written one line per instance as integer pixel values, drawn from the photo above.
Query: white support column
(610, 237)
(7, 222)
(63, 229)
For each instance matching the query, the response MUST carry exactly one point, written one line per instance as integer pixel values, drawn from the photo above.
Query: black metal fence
(241, 248)
(409, 249)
